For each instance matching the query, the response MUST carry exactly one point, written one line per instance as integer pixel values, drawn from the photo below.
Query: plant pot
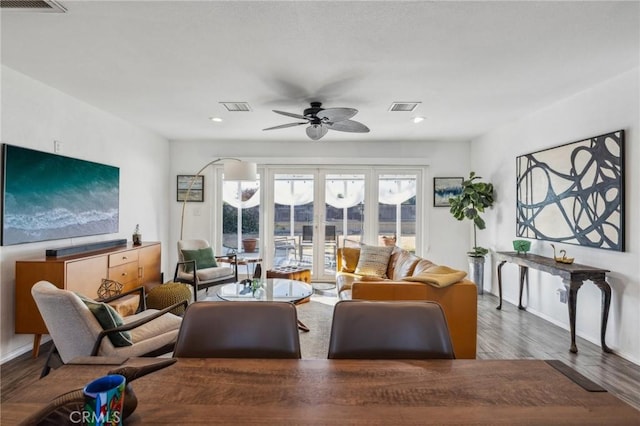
(249, 245)
(476, 272)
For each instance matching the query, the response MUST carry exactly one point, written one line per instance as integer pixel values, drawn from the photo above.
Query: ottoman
(290, 273)
(167, 294)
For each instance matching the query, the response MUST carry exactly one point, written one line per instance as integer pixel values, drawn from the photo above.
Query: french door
(314, 212)
(317, 210)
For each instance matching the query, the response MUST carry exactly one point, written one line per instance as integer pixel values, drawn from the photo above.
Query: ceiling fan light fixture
(316, 131)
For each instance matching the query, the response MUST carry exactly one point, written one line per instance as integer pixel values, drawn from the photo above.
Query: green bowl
(521, 246)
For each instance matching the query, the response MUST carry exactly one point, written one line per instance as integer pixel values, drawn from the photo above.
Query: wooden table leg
(523, 275)
(36, 345)
(606, 302)
(573, 288)
(500, 265)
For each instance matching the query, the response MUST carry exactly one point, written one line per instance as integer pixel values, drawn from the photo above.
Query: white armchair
(76, 332)
(187, 271)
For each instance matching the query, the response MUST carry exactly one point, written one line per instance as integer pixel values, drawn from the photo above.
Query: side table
(573, 276)
(254, 262)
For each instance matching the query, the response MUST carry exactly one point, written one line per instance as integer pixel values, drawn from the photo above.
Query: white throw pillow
(374, 260)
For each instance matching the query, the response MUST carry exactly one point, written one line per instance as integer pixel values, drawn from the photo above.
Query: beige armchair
(187, 271)
(77, 333)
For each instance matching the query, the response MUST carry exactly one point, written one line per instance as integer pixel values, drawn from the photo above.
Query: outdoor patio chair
(285, 247)
(330, 241)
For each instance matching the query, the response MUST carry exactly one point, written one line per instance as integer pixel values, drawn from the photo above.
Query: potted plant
(472, 201)
(249, 244)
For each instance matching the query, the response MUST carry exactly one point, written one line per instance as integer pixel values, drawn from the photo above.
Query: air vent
(236, 106)
(404, 106)
(32, 6)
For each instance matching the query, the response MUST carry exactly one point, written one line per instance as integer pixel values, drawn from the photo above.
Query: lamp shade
(239, 171)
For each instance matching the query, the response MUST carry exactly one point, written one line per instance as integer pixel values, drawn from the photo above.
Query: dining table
(336, 392)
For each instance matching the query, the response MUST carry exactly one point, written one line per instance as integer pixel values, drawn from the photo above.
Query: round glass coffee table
(274, 290)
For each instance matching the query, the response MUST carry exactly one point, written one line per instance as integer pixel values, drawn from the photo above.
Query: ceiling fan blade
(348, 126)
(337, 114)
(316, 131)
(290, 114)
(283, 126)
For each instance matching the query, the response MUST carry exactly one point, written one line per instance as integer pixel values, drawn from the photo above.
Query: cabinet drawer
(124, 273)
(123, 257)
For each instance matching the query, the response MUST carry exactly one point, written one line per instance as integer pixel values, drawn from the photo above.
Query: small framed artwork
(445, 188)
(197, 188)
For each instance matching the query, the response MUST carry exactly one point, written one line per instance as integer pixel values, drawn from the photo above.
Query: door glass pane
(397, 210)
(293, 197)
(344, 214)
(241, 218)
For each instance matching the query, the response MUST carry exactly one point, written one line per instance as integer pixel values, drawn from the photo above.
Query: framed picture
(197, 188)
(574, 193)
(445, 188)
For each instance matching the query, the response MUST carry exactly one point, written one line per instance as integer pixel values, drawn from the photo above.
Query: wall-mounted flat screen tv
(48, 196)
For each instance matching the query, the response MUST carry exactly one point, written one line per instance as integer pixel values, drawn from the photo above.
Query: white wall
(448, 238)
(33, 116)
(610, 106)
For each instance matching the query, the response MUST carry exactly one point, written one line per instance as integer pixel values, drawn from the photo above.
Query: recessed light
(417, 119)
(216, 119)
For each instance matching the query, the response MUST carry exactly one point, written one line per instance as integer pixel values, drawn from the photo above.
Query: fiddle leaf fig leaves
(474, 199)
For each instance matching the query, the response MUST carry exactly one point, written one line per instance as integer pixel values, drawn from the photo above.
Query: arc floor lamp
(234, 170)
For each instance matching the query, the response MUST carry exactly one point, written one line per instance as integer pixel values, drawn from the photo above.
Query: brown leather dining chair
(239, 330)
(389, 330)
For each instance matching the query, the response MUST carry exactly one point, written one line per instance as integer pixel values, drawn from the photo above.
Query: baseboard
(21, 350)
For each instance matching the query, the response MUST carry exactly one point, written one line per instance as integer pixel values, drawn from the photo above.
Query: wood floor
(506, 334)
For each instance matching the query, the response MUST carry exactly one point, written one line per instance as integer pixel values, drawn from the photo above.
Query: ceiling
(167, 65)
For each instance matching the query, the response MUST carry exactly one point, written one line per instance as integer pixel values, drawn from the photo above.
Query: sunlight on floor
(326, 297)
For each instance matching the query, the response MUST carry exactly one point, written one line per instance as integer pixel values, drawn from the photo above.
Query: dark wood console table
(573, 276)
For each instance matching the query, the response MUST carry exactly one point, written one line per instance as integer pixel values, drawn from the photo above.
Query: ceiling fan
(321, 120)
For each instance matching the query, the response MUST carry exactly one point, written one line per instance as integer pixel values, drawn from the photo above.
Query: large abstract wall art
(574, 193)
(48, 196)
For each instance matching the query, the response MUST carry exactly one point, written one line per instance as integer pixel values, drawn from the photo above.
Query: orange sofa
(458, 300)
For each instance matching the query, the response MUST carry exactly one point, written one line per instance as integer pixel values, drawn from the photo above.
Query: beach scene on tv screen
(49, 197)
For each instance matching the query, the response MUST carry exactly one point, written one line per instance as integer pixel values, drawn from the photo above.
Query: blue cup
(104, 400)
